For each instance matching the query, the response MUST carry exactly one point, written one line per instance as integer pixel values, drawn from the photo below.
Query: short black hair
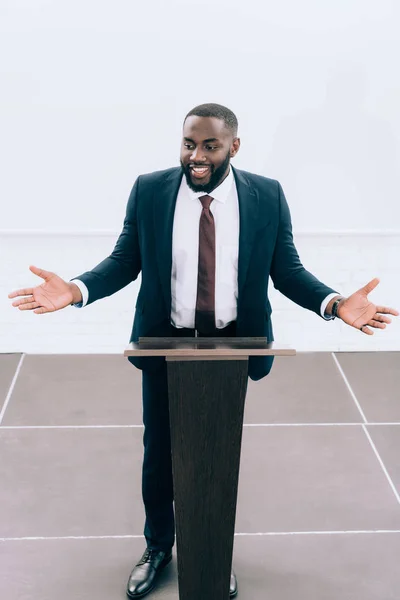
(219, 112)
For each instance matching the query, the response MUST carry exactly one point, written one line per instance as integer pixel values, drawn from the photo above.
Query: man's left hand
(359, 312)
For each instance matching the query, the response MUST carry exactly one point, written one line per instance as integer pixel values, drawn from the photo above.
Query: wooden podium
(207, 382)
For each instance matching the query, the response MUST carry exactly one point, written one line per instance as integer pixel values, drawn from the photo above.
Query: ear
(235, 147)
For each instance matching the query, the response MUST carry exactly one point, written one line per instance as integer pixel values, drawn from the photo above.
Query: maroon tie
(205, 303)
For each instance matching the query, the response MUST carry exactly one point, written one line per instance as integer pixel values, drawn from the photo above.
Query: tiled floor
(318, 509)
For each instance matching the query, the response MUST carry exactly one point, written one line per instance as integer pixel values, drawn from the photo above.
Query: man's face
(207, 148)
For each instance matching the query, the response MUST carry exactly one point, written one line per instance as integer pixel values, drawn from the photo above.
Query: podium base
(206, 403)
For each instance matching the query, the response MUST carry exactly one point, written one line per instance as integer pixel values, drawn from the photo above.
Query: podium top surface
(197, 347)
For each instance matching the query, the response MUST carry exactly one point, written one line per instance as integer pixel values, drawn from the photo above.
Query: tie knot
(206, 201)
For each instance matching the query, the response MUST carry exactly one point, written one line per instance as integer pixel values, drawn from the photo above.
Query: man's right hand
(54, 294)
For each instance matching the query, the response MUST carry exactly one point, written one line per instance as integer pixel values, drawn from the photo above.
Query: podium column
(206, 400)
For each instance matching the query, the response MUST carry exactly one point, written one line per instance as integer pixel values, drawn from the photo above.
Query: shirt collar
(220, 193)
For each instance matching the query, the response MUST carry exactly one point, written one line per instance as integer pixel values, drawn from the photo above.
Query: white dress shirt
(185, 255)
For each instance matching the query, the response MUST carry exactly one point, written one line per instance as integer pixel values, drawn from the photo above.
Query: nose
(198, 155)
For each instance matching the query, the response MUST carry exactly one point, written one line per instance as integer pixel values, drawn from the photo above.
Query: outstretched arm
(287, 271)
(295, 282)
(112, 274)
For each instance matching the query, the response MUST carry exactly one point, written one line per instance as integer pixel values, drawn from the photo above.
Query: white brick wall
(343, 260)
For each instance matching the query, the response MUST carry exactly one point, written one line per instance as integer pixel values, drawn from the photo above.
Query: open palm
(359, 312)
(54, 294)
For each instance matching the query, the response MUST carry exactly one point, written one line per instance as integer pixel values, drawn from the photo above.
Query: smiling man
(206, 238)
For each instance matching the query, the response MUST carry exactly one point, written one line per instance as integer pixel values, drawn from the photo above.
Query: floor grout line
(349, 387)
(10, 391)
(360, 424)
(382, 464)
(255, 534)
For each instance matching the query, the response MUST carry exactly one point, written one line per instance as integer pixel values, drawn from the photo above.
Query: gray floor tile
(310, 567)
(75, 570)
(387, 442)
(8, 367)
(88, 482)
(70, 482)
(76, 390)
(312, 478)
(375, 380)
(318, 567)
(307, 388)
(106, 389)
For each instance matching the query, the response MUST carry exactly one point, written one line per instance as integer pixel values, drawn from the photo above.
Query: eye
(188, 146)
(209, 148)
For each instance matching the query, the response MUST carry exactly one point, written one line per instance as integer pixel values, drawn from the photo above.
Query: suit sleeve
(124, 263)
(287, 272)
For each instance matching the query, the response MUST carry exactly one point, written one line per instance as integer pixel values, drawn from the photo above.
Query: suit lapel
(248, 217)
(164, 209)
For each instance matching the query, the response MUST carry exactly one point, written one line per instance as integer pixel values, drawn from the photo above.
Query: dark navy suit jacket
(266, 249)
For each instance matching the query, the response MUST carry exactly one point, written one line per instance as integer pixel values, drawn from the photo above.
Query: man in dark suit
(206, 238)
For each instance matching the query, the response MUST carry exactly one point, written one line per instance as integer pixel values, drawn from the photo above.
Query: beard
(217, 176)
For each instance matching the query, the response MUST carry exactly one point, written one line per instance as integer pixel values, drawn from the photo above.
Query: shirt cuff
(324, 304)
(84, 292)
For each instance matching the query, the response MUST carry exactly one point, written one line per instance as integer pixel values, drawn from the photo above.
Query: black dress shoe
(233, 588)
(141, 580)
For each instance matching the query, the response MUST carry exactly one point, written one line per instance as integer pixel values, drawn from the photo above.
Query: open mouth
(200, 172)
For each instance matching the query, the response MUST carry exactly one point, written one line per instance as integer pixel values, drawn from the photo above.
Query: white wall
(93, 94)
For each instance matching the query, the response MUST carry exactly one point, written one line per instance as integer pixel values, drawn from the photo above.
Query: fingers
(29, 291)
(366, 330)
(41, 310)
(35, 306)
(377, 324)
(40, 272)
(371, 285)
(23, 292)
(381, 318)
(27, 304)
(23, 301)
(30, 304)
(387, 311)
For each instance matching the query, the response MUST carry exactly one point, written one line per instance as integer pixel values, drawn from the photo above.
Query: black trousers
(157, 483)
